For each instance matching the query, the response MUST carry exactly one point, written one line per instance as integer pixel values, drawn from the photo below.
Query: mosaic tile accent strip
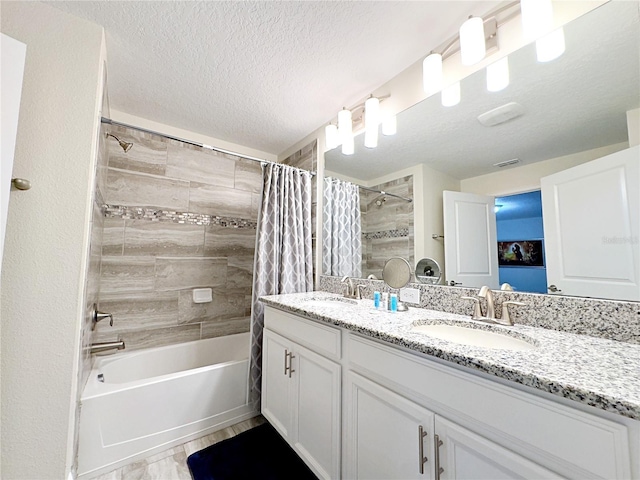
(593, 371)
(402, 232)
(159, 215)
(616, 320)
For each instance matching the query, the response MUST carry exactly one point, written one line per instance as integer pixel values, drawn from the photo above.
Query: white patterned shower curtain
(284, 260)
(342, 230)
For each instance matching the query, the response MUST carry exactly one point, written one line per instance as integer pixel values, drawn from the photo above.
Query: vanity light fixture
(331, 136)
(537, 18)
(348, 146)
(371, 122)
(451, 95)
(537, 22)
(389, 125)
(498, 75)
(432, 73)
(550, 46)
(345, 126)
(472, 41)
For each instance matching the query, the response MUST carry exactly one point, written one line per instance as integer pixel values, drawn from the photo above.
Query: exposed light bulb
(348, 146)
(390, 125)
(451, 95)
(472, 42)
(371, 122)
(345, 125)
(550, 46)
(432, 73)
(498, 75)
(537, 18)
(331, 136)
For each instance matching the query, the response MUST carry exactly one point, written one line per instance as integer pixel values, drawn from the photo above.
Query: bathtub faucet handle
(96, 316)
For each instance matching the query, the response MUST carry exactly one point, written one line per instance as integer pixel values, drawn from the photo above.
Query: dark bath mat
(259, 453)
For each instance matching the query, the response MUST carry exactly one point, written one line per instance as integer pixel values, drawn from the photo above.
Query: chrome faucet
(490, 316)
(351, 292)
(104, 346)
(485, 292)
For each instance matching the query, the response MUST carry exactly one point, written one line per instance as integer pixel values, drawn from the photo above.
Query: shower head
(380, 201)
(126, 146)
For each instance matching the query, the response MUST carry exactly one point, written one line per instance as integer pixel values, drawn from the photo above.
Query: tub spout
(103, 347)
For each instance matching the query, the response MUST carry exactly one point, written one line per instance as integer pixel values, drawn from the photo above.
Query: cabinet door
(276, 384)
(465, 455)
(317, 398)
(383, 434)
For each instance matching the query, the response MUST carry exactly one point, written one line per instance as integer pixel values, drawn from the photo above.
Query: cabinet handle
(422, 459)
(291, 357)
(437, 459)
(286, 367)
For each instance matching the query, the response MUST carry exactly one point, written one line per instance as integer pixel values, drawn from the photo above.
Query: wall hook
(21, 183)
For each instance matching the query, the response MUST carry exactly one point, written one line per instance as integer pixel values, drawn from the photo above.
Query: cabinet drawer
(572, 443)
(320, 338)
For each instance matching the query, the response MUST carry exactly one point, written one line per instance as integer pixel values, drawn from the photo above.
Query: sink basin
(473, 337)
(330, 302)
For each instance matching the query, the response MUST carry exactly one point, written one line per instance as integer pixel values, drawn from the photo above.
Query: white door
(13, 57)
(383, 434)
(317, 411)
(464, 455)
(591, 217)
(470, 240)
(276, 383)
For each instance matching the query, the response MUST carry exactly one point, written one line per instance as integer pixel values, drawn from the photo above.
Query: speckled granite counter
(601, 373)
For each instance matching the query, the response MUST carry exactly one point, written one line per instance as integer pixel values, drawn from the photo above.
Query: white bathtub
(157, 398)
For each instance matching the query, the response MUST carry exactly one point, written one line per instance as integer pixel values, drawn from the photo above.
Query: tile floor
(172, 464)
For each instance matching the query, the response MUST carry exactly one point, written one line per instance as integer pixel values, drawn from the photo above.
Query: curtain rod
(108, 121)
(377, 191)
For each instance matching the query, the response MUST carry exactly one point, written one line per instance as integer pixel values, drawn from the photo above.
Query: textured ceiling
(261, 74)
(572, 104)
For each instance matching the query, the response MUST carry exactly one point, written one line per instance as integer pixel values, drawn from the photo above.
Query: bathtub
(154, 399)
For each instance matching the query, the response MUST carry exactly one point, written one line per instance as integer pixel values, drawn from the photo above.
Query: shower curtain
(283, 260)
(342, 230)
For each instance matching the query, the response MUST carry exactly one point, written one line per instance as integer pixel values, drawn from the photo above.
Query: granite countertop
(601, 373)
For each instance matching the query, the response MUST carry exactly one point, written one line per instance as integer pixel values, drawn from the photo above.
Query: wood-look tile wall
(149, 268)
(387, 230)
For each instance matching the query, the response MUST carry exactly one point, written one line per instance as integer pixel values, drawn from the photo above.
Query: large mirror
(575, 110)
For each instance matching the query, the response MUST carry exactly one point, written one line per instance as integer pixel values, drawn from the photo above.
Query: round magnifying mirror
(396, 272)
(428, 271)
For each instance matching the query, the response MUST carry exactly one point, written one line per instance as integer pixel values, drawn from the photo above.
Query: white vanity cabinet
(408, 416)
(492, 430)
(386, 435)
(391, 437)
(301, 388)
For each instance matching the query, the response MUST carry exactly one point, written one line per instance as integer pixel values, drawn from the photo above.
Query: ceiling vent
(507, 162)
(501, 114)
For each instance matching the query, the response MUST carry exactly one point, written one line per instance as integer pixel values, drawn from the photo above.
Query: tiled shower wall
(177, 218)
(387, 230)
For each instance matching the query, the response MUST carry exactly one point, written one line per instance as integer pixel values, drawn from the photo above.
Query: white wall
(527, 178)
(633, 127)
(47, 238)
(434, 183)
